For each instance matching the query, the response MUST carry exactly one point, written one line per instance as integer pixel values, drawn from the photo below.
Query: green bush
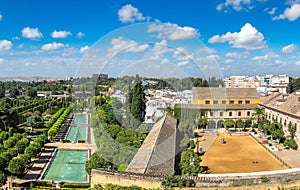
(264, 179)
(242, 183)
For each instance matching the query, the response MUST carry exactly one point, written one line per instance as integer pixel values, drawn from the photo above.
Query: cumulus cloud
(1, 17)
(128, 13)
(52, 46)
(237, 55)
(238, 5)
(289, 48)
(173, 31)
(1, 60)
(260, 58)
(248, 38)
(84, 49)
(60, 34)
(122, 45)
(291, 13)
(80, 35)
(5, 45)
(31, 33)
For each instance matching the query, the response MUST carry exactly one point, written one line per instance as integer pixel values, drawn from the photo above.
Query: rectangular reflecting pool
(80, 119)
(67, 166)
(76, 133)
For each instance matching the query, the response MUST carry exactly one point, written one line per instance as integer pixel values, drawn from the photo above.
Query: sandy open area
(239, 154)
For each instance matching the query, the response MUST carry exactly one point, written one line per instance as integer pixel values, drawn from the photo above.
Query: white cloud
(297, 63)
(248, 38)
(289, 48)
(128, 13)
(183, 63)
(122, 45)
(1, 17)
(238, 5)
(182, 54)
(80, 35)
(272, 11)
(31, 33)
(291, 13)
(60, 34)
(52, 46)
(173, 31)
(84, 49)
(5, 45)
(238, 55)
(228, 61)
(1, 60)
(260, 58)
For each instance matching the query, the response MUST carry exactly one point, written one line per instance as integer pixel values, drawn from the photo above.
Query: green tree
(95, 161)
(276, 130)
(32, 92)
(2, 90)
(14, 92)
(16, 166)
(258, 115)
(240, 124)
(35, 121)
(228, 123)
(202, 122)
(295, 82)
(3, 178)
(190, 163)
(138, 104)
(292, 129)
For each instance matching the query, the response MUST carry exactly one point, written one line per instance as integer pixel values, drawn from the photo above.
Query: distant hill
(28, 78)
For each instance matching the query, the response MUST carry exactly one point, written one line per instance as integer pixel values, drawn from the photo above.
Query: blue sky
(197, 38)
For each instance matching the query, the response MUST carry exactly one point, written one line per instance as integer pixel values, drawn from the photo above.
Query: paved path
(206, 141)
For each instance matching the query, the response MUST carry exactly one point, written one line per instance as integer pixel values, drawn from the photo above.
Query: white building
(285, 109)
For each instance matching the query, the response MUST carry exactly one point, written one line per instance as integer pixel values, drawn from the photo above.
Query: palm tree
(202, 122)
(258, 115)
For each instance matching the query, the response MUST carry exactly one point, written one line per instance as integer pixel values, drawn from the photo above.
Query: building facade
(266, 84)
(285, 109)
(224, 103)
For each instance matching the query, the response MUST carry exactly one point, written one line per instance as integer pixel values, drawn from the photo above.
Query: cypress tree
(138, 105)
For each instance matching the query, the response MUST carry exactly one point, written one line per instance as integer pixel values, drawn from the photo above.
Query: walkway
(39, 164)
(206, 141)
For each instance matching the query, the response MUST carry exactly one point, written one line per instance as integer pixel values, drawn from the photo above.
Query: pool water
(80, 119)
(67, 166)
(76, 133)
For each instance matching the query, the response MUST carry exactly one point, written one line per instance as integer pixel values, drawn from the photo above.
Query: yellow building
(224, 103)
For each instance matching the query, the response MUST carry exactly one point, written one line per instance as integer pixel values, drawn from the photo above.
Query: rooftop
(288, 103)
(156, 156)
(205, 93)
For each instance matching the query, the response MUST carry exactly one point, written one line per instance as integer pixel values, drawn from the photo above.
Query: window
(215, 101)
(240, 101)
(230, 114)
(247, 101)
(221, 114)
(223, 101)
(239, 113)
(231, 102)
(211, 113)
(207, 102)
(248, 113)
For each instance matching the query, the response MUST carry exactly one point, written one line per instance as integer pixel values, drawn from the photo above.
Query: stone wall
(102, 177)
(270, 178)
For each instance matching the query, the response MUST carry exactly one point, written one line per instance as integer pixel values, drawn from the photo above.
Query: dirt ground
(238, 155)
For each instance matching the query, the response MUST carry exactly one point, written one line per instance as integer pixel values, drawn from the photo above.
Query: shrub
(264, 179)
